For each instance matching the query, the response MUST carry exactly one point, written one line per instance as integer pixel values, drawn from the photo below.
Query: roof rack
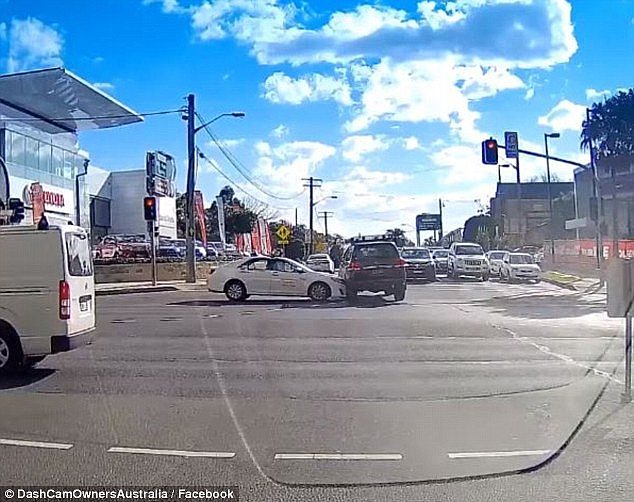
(372, 238)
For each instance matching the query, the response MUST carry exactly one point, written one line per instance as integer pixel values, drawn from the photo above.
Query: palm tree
(610, 130)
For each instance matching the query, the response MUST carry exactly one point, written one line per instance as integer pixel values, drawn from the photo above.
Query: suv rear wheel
(399, 293)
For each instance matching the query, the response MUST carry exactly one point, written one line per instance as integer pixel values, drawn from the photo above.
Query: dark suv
(373, 266)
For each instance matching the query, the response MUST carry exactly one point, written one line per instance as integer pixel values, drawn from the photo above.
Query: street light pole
(550, 199)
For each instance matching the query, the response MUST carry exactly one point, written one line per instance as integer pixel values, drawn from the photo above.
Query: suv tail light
(400, 263)
(64, 300)
(355, 265)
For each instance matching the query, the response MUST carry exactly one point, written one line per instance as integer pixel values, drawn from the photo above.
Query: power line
(213, 165)
(240, 167)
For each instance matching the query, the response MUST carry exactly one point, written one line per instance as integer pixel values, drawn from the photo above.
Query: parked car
(418, 264)
(495, 258)
(373, 266)
(168, 250)
(215, 248)
(262, 275)
(201, 252)
(123, 247)
(535, 251)
(519, 267)
(467, 259)
(320, 262)
(440, 257)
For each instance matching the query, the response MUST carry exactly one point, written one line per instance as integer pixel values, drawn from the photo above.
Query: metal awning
(55, 100)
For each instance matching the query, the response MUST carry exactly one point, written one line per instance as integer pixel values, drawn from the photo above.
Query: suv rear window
(469, 249)
(380, 251)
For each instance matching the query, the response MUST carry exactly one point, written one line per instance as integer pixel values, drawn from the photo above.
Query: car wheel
(537, 281)
(10, 351)
(485, 277)
(235, 291)
(399, 293)
(319, 292)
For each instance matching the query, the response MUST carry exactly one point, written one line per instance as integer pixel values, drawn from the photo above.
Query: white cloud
(32, 44)
(411, 143)
(280, 132)
(280, 88)
(564, 116)
(283, 166)
(354, 148)
(3, 31)
(104, 86)
(530, 93)
(594, 95)
(232, 142)
(168, 6)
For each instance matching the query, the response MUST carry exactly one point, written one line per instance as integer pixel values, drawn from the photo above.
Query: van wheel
(10, 351)
(399, 293)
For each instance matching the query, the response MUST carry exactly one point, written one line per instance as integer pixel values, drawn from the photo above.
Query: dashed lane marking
(172, 453)
(338, 456)
(122, 321)
(493, 454)
(35, 444)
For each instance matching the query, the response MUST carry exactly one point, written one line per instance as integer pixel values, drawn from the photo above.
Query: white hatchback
(262, 275)
(519, 267)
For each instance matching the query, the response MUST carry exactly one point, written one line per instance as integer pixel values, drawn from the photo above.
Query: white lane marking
(173, 453)
(36, 444)
(563, 357)
(493, 454)
(338, 456)
(122, 321)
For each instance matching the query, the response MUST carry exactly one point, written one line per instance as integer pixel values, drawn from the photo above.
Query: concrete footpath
(122, 288)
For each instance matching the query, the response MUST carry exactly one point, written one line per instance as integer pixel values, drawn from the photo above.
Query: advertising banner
(37, 201)
(199, 210)
(221, 219)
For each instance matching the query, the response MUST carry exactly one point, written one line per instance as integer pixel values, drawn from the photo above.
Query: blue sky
(386, 101)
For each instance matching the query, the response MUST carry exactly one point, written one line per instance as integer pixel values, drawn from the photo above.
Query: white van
(47, 293)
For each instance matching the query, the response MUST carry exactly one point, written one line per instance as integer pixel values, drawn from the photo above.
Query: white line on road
(173, 453)
(35, 444)
(338, 456)
(493, 454)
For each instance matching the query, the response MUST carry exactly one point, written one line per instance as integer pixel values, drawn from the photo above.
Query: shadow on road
(360, 302)
(538, 306)
(24, 378)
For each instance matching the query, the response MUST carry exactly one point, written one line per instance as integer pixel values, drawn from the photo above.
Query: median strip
(35, 444)
(338, 456)
(172, 453)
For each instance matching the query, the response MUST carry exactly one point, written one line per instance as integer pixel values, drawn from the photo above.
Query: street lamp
(190, 224)
(552, 135)
(500, 173)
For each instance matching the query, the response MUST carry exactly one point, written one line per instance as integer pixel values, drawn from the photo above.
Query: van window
(79, 257)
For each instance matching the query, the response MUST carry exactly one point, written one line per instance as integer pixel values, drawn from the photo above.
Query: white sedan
(321, 263)
(261, 275)
(519, 267)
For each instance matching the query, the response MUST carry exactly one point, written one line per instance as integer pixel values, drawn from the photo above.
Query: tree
(400, 239)
(610, 131)
(543, 178)
(227, 194)
(181, 203)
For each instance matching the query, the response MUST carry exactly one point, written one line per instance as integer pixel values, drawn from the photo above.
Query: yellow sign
(283, 233)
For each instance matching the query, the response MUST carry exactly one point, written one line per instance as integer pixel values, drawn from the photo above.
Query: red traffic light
(489, 151)
(149, 208)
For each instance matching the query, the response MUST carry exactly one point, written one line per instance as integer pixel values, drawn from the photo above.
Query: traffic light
(149, 208)
(17, 206)
(489, 151)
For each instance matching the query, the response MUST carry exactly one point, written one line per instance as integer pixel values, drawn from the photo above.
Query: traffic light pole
(152, 231)
(190, 225)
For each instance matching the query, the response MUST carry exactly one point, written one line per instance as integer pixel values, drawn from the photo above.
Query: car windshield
(421, 254)
(469, 250)
(452, 182)
(524, 259)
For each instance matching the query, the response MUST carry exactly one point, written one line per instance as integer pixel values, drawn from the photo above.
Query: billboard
(428, 221)
(161, 173)
(166, 217)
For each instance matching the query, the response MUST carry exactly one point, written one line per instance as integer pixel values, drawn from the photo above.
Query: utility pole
(519, 200)
(295, 216)
(325, 214)
(312, 184)
(550, 197)
(190, 224)
(440, 212)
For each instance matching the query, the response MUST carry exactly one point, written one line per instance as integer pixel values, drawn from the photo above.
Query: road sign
(283, 233)
(511, 145)
(427, 221)
(576, 223)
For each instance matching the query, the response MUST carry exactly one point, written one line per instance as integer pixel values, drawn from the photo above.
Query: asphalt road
(452, 394)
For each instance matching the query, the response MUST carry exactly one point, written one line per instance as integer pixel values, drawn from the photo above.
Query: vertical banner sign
(37, 201)
(511, 145)
(221, 219)
(199, 208)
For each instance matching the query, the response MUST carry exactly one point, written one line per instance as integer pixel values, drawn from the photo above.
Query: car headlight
(460, 261)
